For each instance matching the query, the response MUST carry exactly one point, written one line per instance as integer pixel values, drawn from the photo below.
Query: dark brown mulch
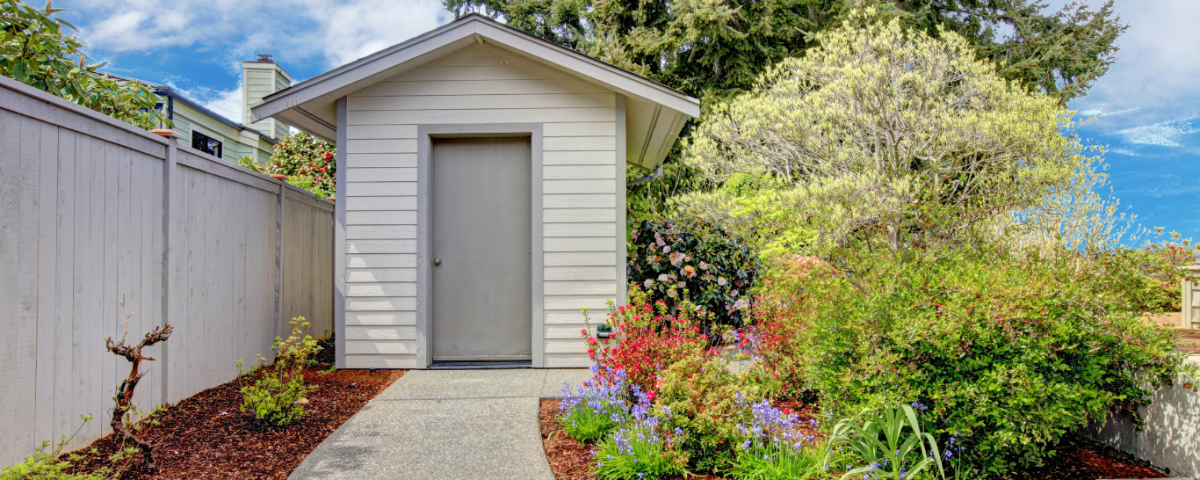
(208, 437)
(1081, 459)
(1077, 458)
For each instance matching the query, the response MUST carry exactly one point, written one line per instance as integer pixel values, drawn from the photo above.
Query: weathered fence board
(93, 211)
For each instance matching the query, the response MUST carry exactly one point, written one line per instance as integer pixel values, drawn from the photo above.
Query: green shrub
(1010, 352)
(278, 395)
(309, 162)
(49, 463)
(670, 259)
(708, 403)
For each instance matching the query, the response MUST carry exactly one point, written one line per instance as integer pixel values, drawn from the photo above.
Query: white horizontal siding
(479, 84)
(374, 275)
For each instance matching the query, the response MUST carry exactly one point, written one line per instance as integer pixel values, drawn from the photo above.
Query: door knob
(437, 261)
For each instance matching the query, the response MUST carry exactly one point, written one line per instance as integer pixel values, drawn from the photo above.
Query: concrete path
(445, 424)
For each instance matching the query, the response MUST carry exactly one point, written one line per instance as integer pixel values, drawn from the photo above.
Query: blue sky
(1147, 109)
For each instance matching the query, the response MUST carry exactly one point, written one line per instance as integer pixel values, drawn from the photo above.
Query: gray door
(481, 247)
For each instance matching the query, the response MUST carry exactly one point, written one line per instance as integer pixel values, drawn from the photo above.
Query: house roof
(164, 91)
(655, 113)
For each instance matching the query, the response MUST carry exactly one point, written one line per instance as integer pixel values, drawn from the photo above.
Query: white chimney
(260, 78)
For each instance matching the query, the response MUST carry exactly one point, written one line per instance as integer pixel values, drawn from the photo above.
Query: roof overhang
(655, 113)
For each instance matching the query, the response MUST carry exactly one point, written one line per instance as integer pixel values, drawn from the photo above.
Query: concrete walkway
(445, 424)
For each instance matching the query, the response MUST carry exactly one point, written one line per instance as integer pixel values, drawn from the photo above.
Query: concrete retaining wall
(1170, 437)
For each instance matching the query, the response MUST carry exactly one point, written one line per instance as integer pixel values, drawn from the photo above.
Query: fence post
(170, 292)
(279, 259)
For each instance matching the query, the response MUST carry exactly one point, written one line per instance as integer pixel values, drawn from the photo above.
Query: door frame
(425, 134)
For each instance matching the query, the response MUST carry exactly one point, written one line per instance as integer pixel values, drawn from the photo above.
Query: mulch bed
(1077, 458)
(208, 437)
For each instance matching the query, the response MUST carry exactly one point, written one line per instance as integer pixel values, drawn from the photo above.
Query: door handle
(437, 261)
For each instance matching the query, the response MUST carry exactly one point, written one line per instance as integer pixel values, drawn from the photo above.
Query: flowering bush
(698, 260)
(779, 313)
(708, 403)
(310, 163)
(646, 338)
(638, 450)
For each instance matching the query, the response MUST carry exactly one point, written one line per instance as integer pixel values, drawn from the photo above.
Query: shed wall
(581, 207)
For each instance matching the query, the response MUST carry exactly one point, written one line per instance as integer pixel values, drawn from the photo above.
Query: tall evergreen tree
(714, 49)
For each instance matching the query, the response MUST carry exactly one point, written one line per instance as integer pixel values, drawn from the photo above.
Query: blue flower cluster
(769, 426)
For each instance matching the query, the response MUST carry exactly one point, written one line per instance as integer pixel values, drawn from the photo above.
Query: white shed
(481, 192)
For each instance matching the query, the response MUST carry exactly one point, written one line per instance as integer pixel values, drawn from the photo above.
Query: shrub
(779, 313)
(40, 50)
(777, 446)
(48, 463)
(278, 395)
(646, 339)
(708, 403)
(638, 450)
(672, 259)
(1011, 352)
(597, 408)
(309, 162)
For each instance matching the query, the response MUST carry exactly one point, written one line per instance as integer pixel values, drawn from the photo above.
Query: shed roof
(655, 113)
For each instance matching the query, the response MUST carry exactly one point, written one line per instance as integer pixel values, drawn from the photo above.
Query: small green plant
(777, 461)
(890, 443)
(49, 463)
(278, 396)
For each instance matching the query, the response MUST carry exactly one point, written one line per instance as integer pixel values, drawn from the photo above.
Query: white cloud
(1163, 134)
(1156, 66)
(1125, 151)
(1095, 112)
(334, 31)
(228, 103)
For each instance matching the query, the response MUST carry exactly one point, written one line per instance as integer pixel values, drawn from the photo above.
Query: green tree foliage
(881, 130)
(715, 49)
(35, 49)
(712, 49)
(309, 163)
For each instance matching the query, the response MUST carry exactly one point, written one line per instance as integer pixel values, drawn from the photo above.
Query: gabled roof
(656, 111)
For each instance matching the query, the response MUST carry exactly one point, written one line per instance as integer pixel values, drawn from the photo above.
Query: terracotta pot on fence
(278, 176)
(331, 198)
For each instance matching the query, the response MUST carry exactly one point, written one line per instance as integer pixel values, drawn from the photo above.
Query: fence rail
(92, 211)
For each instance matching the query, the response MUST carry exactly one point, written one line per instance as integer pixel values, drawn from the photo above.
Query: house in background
(212, 133)
(481, 193)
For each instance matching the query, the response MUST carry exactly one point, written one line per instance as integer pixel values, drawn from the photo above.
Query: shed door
(481, 245)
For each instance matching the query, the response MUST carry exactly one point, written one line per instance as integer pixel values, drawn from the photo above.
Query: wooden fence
(93, 211)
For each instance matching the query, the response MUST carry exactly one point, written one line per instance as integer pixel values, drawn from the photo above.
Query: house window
(206, 144)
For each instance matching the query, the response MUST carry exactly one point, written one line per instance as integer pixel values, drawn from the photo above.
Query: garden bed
(207, 437)
(1077, 459)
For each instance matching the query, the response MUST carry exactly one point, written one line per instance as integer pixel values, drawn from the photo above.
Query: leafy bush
(309, 162)
(672, 259)
(49, 463)
(596, 409)
(638, 450)
(1012, 352)
(709, 404)
(646, 339)
(778, 446)
(883, 447)
(278, 395)
(37, 49)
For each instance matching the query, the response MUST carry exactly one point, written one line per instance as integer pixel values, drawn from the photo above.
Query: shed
(481, 192)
